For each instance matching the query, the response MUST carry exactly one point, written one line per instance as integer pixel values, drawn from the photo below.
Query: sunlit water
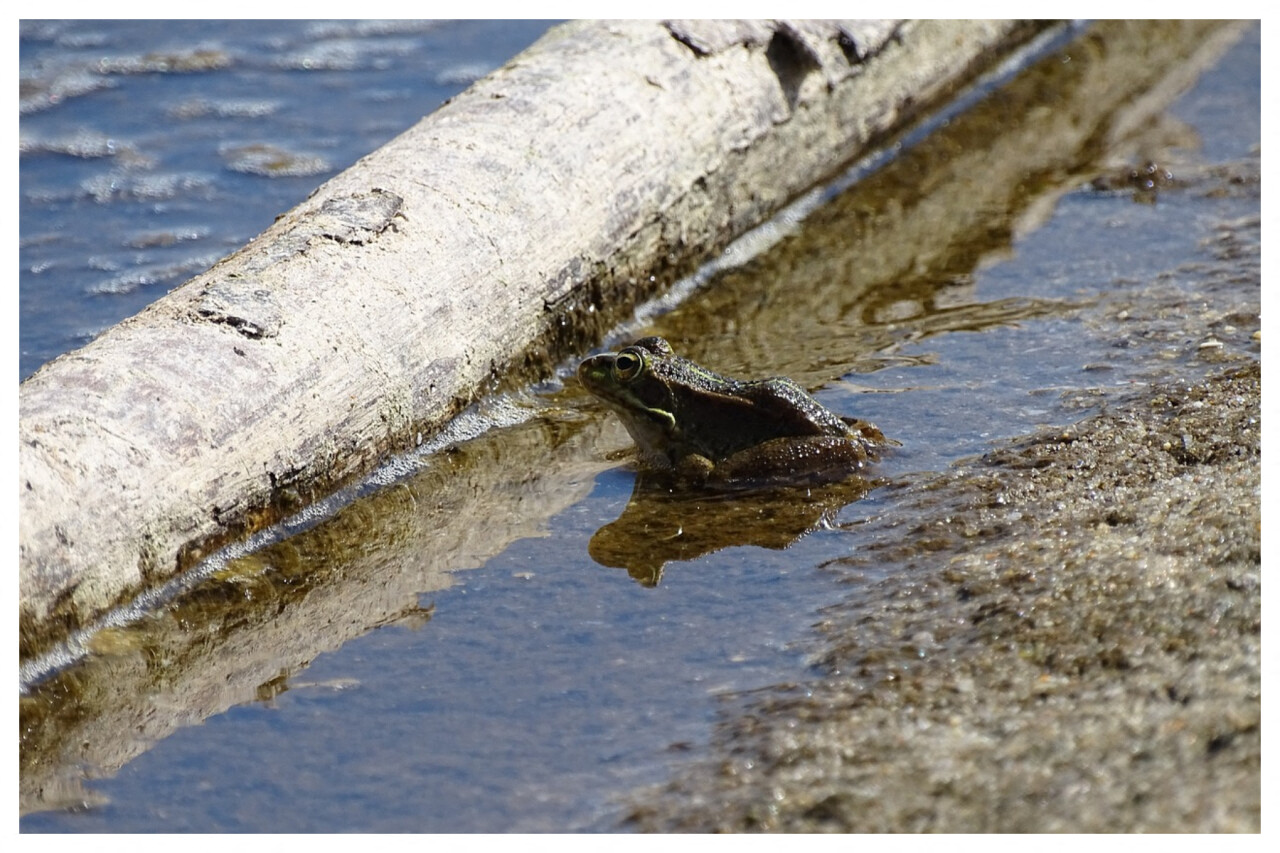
(544, 686)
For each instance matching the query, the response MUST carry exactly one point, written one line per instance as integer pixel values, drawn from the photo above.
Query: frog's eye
(627, 365)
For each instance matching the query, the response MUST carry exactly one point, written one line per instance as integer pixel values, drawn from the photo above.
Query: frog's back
(792, 409)
(742, 414)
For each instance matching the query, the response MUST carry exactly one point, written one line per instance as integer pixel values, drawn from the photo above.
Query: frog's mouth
(597, 375)
(657, 419)
(653, 430)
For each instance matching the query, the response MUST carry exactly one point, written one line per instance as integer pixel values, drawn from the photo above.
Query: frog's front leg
(695, 468)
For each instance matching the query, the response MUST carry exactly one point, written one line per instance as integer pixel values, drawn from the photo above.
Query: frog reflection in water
(709, 429)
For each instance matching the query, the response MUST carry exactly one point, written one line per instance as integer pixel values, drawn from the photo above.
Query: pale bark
(502, 231)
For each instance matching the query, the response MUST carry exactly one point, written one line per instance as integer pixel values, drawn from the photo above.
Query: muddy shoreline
(1070, 640)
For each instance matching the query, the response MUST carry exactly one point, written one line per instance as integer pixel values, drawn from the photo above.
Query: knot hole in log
(791, 61)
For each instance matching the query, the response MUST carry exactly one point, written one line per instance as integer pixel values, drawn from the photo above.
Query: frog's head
(636, 383)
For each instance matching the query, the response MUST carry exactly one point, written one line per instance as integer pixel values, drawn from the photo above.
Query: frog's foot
(869, 432)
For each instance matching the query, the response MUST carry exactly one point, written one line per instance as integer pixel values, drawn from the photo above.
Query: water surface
(445, 655)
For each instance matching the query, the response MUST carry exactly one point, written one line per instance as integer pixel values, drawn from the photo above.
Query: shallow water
(461, 676)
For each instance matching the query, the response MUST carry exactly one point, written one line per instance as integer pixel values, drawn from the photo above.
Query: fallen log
(501, 233)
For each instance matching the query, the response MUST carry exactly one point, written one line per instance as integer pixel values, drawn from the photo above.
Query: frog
(710, 429)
